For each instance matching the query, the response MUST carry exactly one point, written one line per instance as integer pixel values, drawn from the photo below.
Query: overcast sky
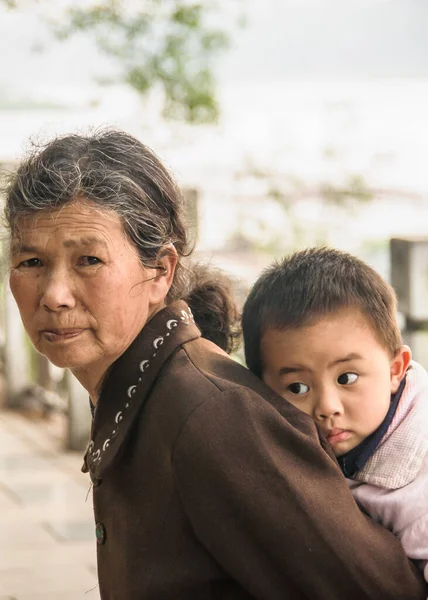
(283, 39)
(334, 38)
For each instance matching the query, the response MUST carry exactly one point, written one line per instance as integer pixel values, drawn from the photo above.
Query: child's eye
(298, 388)
(347, 378)
(30, 262)
(89, 261)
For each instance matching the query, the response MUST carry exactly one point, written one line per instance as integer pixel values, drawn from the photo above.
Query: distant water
(323, 129)
(305, 131)
(311, 128)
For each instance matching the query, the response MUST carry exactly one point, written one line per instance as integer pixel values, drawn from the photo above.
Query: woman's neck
(92, 376)
(91, 379)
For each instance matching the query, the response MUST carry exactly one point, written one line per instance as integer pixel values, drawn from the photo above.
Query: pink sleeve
(415, 542)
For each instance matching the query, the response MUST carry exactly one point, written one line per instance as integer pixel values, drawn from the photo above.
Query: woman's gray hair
(116, 172)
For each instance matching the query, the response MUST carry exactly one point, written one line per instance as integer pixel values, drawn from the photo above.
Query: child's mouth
(337, 435)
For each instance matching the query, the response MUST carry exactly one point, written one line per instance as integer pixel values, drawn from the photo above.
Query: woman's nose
(57, 292)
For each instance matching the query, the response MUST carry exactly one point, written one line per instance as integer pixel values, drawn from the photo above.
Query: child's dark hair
(308, 285)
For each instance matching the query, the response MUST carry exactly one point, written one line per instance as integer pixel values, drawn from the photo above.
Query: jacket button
(95, 480)
(100, 533)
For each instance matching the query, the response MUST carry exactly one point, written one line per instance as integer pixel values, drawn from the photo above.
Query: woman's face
(80, 287)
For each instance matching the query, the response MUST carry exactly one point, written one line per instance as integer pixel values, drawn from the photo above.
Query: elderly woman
(206, 485)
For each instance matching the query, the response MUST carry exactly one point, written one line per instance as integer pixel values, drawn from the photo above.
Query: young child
(320, 328)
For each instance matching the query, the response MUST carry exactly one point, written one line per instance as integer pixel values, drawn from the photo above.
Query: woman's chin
(65, 360)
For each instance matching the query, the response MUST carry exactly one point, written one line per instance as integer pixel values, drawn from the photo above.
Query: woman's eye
(347, 378)
(298, 388)
(89, 261)
(31, 262)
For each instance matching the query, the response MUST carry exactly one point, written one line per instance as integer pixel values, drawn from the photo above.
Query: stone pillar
(409, 278)
(191, 198)
(16, 350)
(79, 415)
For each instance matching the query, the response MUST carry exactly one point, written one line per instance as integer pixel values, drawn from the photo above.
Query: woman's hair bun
(211, 298)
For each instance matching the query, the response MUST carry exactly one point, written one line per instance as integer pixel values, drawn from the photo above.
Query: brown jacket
(208, 486)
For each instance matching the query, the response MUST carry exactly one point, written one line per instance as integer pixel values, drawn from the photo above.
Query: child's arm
(414, 538)
(404, 511)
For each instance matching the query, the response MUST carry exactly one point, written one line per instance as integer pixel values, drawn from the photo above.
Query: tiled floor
(47, 540)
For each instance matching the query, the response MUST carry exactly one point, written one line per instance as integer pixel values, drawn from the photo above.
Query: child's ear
(399, 366)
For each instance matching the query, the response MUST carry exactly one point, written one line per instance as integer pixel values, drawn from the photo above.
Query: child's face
(337, 372)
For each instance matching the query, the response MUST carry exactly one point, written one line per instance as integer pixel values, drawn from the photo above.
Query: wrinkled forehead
(80, 216)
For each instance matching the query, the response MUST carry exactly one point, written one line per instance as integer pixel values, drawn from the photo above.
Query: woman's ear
(399, 365)
(166, 264)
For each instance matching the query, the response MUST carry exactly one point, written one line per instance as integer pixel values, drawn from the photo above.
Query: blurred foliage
(342, 198)
(290, 231)
(166, 45)
(347, 195)
(354, 190)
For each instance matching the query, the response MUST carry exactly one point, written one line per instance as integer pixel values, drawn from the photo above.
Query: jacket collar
(354, 460)
(128, 384)
(400, 455)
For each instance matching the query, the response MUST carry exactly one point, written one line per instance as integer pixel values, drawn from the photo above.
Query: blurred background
(288, 123)
(297, 121)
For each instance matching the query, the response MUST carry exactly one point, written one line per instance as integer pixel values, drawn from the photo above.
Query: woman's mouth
(61, 335)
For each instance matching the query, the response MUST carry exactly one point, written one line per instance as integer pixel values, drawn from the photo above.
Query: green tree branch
(166, 45)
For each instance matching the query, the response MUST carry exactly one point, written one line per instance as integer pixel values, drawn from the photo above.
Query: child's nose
(328, 404)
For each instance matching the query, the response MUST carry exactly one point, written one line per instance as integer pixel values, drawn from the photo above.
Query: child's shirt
(392, 487)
